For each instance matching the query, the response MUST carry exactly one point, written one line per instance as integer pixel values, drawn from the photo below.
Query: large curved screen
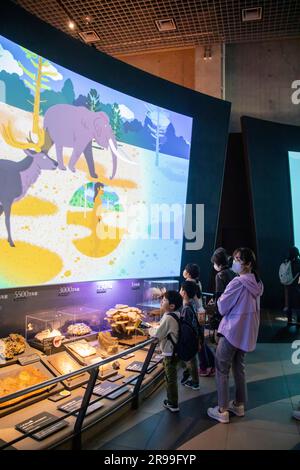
(93, 182)
(294, 164)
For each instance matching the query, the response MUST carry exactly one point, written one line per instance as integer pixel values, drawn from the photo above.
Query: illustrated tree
(159, 122)
(35, 81)
(116, 120)
(93, 100)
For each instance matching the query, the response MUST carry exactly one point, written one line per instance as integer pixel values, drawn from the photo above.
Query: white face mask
(237, 267)
(216, 267)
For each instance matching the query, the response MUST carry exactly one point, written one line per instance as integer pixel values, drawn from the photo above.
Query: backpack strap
(169, 337)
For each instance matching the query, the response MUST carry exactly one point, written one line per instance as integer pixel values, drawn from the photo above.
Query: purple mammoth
(76, 127)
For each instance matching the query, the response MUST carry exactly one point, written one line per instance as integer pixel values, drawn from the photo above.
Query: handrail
(93, 370)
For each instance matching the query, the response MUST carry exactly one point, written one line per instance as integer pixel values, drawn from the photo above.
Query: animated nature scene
(75, 155)
(294, 161)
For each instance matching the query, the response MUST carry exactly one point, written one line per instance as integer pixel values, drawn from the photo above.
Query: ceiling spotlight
(88, 19)
(71, 24)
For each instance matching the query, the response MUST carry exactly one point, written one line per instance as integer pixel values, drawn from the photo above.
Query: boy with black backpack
(190, 377)
(168, 333)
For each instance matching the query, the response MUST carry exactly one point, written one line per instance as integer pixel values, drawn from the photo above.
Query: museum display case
(153, 290)
(46, 330)
(58, 376)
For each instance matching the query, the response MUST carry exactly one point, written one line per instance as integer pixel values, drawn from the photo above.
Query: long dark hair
(194, 271)
(293, 253)
(247, 256)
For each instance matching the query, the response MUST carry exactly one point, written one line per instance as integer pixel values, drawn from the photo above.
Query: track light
(207, 53)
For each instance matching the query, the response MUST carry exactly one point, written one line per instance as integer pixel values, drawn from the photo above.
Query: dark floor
(273, 377)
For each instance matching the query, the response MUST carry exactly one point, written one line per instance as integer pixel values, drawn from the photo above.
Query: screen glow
(294, 162)
(115, 153)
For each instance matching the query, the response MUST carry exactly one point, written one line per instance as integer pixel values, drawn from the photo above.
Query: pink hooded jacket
(240, 307)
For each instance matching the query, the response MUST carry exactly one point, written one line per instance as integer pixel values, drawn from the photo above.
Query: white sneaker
(237, 410)
(215, 413)
(296, 415)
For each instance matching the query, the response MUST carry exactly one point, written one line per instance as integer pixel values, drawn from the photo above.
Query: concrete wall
(185, 67)
(208, 73)
(176, 65)
(258, 81)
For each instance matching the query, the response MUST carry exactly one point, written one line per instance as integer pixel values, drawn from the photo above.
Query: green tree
(116, 120)
(93, 100)
(16, 92)
(51, 97)
(68, 91)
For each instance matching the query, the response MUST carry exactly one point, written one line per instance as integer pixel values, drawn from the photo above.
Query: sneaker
(237, 410)
(296, 415)
(170, 407)
(209, 372)
(204, 372)
(193, 385)
(185, 376)
(215, 413)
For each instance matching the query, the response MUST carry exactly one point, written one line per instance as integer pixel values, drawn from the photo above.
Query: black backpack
(187, 345)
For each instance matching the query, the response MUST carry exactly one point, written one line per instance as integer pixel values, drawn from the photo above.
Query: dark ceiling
(128, 26)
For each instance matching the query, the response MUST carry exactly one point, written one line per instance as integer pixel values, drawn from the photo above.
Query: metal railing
(93, 370)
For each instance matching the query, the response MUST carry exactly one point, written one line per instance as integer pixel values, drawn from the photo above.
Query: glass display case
(47, 330)
(116, 384)
(153, 290)
(83, 321)
(62, 341)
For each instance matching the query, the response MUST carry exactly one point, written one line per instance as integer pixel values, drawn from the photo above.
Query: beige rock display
(47, 334)
(108, 345)
(12, 345)
(79, 329)
(124, 320)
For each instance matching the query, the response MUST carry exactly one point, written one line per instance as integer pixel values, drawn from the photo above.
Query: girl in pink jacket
(239, 306)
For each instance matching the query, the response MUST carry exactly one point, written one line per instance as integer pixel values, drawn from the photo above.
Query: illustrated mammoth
(76, 127)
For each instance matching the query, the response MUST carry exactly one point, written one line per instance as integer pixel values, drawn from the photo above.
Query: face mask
(216, 267)
(237, 267)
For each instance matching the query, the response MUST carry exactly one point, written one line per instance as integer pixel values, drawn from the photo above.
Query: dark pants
(292, 301)
(206, 357)
(170, 365)
(191, 367)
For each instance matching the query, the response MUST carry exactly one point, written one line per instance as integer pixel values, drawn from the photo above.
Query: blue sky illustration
(82, 85)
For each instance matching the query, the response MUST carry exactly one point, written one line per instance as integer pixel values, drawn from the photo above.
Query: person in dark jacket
(206, 357)
(188, 291)
(293, 290)
(225, 274)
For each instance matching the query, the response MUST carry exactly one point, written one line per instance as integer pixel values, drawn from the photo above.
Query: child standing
(171, 302)
(188, 290)
(206, 357)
